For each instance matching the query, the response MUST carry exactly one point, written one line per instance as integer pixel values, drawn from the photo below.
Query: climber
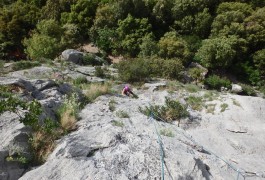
(127, 91)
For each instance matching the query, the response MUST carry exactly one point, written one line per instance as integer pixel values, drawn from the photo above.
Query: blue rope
(161, 148)
(230, 165)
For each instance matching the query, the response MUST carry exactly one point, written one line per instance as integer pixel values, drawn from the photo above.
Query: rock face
(72, 55)
(236, 88)
(14, 135)
(109, 146)
(13, 142)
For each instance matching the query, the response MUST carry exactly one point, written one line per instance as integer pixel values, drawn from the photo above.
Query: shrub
(117, 123)
(196, 74)
(2, 63)
(167, 68)
(167, 132)
(134, 70)
(248, 90)
(215, 82)
(80, 80)
(92, 91)
(196, 103)
(112, 105)
(20, 65)
(122, 114)
(172, 111)
(99, 72)
(192, 88)
(91, 59)
(68, 112)
(223, 107)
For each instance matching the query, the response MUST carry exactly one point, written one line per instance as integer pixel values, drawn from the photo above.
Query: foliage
(216, 82)
(220, 52)
(105, 38)
(248, 90)
(259, 61)
(45, 41)
(131, 32)
(148, 47)
(20, 65)
(80, 80)
(255, 28)
(167, 68)
(224, 107)
(167, 132)
(91, 59)
(122, 114)
(196, 73)
(112, 103)
(81, 14)
(99, 72)
(117, 123)
(92, 91)
(28, 112)
(68, 112)
(196, 103)
(230, 18)
(2, 63)
(16, 20)
(249, 73)
(133, 70)
(171, 111)
(172, 46)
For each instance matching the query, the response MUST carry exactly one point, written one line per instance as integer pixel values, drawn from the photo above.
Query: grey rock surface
(14, 135)
(73, 56)
(13, 141)
(103, 149)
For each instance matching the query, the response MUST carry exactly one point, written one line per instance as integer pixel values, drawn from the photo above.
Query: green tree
(255, 28)
(230, 18)
(148, 47)
(173, 46)
(192, 17)
(105, 39)
(45, 41)
(220, 52)
(131, 32)
(16, 20)
(82, 14)
(259, 62)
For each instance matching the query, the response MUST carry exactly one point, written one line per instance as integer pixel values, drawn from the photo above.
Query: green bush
(216, 82)
(248, 90)
(167, 68)
(196, 74)
(173, 110)
(2, 63)
(195, 102)
(90, 59)
(80, 80)
(135, 70)
(122, 114)
(99, 72)
(25, 65)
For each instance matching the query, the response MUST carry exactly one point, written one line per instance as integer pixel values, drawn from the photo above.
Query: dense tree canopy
(215, 33)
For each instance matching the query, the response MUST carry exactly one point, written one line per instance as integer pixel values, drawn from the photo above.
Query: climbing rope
(238, 170)
(160, 145)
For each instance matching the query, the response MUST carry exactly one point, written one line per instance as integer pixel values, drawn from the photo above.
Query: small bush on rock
(216, 82)
(171, 111)
(20, 65)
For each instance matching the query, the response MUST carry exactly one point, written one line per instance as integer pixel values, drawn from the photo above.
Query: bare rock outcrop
(14, 147)
(108, 146)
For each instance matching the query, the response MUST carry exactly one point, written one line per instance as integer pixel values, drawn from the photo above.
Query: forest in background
(226, 37)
